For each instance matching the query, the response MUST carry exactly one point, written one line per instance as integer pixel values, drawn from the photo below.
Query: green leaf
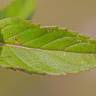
(44, 50)
(20, 8)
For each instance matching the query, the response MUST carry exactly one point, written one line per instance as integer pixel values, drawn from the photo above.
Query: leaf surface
(19, 8)
(45, 50)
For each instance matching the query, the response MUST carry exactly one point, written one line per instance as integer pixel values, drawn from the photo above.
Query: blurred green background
(77, 15)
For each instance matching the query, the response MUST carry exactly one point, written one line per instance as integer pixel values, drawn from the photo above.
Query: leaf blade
(47, 62)
(19, 8)
(50, 51)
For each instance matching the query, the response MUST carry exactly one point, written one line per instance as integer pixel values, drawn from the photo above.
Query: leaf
(44, 50)
(20, 8)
